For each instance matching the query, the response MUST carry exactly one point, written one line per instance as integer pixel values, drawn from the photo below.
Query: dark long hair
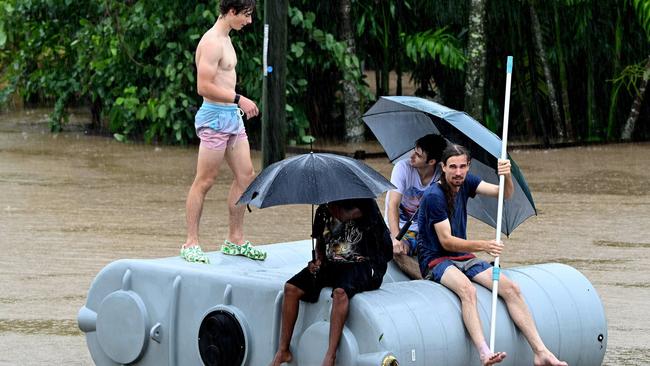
(433, 145)
(450, 195)
(238, 5)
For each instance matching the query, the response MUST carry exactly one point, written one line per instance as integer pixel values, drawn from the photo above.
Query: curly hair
(450, 195)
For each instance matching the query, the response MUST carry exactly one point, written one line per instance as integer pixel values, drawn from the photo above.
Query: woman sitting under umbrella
(353, 248)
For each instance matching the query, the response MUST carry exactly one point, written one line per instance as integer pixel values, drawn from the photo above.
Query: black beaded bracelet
(237, 96)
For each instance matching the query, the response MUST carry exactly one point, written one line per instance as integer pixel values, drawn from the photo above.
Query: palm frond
(642, 8)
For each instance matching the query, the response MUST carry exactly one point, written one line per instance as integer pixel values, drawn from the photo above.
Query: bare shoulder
(210, 45)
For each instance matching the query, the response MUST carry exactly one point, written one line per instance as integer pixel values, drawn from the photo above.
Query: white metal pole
(265, 50)
(504, 153)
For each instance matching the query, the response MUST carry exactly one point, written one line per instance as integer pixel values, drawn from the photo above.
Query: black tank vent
(221, 340)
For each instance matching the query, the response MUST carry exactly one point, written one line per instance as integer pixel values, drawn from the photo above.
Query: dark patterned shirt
(358, 240)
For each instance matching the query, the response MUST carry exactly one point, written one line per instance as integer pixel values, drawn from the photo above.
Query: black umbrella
(398, 121)
(314, 178)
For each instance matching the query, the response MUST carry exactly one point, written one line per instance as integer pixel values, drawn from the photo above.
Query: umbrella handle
(313, 240)
(404, 229)
(407, 225)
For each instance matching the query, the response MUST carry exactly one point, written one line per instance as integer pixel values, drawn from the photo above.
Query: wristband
(237, 96)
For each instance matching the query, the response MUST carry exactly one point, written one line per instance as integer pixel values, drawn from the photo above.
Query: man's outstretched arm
(492, 190)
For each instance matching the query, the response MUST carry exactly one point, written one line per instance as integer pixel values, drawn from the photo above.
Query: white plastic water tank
(170, 312)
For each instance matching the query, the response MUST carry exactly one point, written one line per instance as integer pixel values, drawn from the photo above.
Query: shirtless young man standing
(220, 127)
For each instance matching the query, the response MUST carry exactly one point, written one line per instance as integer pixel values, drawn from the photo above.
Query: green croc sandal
(247, 250)
(251, 252)
(230, 248)
(194, 254)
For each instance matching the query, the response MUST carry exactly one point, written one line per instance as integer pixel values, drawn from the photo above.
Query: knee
(291, 291)
(467, 292)
(510, 290)
(246, 177)
(203, 184)
(340, 296)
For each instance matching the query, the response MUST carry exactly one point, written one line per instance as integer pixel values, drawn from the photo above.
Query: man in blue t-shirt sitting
(445, 253)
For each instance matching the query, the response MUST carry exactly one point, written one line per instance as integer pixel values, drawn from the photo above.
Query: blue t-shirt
(433, 209)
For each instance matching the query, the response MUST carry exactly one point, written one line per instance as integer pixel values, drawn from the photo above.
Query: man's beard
(456, 181)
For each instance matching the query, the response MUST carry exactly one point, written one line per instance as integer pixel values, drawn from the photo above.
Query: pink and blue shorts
(219, 125)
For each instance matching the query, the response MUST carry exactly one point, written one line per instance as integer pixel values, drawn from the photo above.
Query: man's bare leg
(290, 307)
(456, 281)
(340, 305)
(520, 315)
(408, 265)
(239, 160)
(207, 168)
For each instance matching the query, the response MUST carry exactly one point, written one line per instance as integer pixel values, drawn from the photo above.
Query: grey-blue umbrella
(397, 121)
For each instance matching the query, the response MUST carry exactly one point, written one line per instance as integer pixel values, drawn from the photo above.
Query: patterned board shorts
(410, 237)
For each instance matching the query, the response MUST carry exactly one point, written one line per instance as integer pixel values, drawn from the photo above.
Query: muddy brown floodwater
(71, 203)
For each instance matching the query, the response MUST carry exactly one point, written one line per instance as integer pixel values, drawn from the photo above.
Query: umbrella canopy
(314, 178)
(398, 121)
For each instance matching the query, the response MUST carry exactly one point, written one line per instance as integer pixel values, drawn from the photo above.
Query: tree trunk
(526, 104)
(636, 106)
(378, 92)
(592, 122)
(476, 50)
(534, 103)
(96, 114)
(386, 50)
(616, 69)
(354, 127)
(274, 84)
(591, 95)
(539, 46)
(564, 83)
(398, 44)
(524, 97)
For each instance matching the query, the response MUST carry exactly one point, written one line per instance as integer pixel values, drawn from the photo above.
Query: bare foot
(491, 359)
(282, 357)
(546, 358)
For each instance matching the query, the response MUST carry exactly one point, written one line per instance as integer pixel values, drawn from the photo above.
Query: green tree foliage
(587, 39)
(132, 62)
(435, 41)
(314, 52)
(642, 8)
(437, 45)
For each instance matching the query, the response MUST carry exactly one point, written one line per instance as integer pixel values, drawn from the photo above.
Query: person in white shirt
(411, 177)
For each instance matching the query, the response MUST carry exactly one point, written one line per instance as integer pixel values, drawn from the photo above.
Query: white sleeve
(398, 177)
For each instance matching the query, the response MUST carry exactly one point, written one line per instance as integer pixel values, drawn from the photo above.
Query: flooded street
(72, 203)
